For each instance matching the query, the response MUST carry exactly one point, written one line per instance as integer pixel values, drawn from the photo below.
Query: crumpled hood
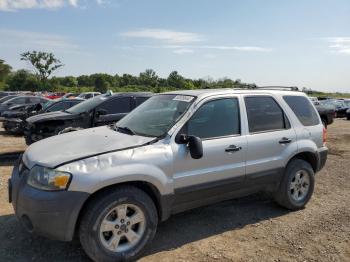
(56, 150)
(51, 115)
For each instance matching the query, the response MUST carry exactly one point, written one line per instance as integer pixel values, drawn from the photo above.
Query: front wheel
(297, 185)
(118, 225)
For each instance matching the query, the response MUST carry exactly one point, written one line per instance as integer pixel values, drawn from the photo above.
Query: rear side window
(115, 106)
(215, 119)
(303, 109)
(56, 107)
(264, 114)
(140, 100)
(36, 100)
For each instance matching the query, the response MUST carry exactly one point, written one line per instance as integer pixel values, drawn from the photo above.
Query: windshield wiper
(125, 130)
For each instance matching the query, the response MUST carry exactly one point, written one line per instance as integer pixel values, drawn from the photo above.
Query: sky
(304, 43)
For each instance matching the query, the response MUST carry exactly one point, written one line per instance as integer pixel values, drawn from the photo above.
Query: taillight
(324, 135)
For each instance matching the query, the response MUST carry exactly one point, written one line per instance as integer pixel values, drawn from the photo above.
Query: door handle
(233, 148)
(285, 140)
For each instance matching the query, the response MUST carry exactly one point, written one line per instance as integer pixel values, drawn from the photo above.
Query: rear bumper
(322, 157)
(50, 214)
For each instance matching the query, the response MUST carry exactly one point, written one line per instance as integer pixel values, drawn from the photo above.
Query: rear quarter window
(302, 108)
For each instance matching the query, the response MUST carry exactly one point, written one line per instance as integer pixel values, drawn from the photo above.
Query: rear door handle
(233, 148)
(285, 140)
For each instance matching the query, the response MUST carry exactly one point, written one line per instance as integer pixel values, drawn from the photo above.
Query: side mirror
(194, 145)
(101, 112)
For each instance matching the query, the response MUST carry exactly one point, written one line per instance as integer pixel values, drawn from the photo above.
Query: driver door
(222, 168)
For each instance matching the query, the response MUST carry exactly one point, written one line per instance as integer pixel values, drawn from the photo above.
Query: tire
(324, 122)
(289, 189)
(28, 139)
(95, 243)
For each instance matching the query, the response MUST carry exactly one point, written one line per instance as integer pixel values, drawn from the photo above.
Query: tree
(148, 78)
(5, 70)
(69, 81)
(175, 80)
(127, 79)
(44, 63)
(106, 77)
(101, 84)
(23, 80)
(85, 80)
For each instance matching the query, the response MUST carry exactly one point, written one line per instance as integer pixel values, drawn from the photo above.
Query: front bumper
(52, 214)
(322, 157)
(15, 125)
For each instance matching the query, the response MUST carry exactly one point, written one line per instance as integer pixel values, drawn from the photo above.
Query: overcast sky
(296, 42)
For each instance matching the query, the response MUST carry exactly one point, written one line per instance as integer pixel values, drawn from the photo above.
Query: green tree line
(45, 64)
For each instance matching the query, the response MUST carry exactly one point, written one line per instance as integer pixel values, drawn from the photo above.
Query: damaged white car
(112, 185)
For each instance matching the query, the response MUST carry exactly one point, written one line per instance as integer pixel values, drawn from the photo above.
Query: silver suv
(112, 185)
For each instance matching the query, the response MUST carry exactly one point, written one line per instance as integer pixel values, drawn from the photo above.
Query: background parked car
(327, 114)
(14, 120)
(89, 95)
(339, 106)
(100, 110)
(3, 94)
(71, 95)
(5, 98)
(21, 100)
(54, 95)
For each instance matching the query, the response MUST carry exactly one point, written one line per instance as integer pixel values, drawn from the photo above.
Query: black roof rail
(286, 88)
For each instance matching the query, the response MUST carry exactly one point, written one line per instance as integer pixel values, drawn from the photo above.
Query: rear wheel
(118, 225)
(297, 185)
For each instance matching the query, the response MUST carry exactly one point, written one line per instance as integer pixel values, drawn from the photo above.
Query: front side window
(303, 109)
(264, 114)
(216, 118)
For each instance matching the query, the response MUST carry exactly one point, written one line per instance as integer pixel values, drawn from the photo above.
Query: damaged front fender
(94, 173)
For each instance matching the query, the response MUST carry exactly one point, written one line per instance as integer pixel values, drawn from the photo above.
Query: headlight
(48, 179)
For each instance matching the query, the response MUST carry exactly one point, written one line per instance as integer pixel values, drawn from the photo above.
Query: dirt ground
(248, 229)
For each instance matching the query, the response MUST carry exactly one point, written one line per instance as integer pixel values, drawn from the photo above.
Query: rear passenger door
(271, 139)
(113, 110)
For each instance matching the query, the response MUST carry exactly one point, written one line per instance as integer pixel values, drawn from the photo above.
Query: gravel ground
(248, 229)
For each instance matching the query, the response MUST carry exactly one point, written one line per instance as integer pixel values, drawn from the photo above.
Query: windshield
(157, 115)
(87, 105)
